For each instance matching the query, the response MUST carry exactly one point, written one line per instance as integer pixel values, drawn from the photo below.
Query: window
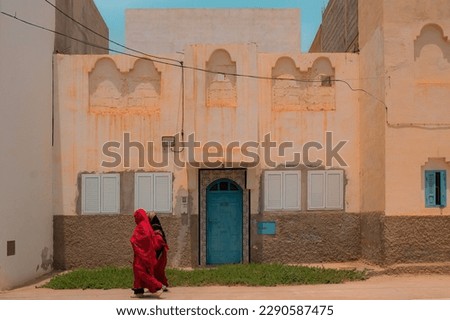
(325, 189)
(282, 190)
(100, 193)
(326, 81)
(435, 188)
(153, 191)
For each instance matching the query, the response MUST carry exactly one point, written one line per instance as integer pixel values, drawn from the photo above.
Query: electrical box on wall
(10, 248)
(184, 202)
(267, 227)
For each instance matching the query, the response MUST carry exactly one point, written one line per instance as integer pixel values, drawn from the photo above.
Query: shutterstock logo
(212, 154)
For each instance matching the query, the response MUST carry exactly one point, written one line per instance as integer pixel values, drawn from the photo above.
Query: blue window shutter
(430, 187)
(443, 189)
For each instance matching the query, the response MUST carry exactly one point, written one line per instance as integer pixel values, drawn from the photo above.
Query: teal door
(223, 222)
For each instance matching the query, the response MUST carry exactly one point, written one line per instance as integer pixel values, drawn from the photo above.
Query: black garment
(157, 227)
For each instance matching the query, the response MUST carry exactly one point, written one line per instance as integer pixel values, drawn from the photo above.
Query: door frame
(238, 195)
(238, 176)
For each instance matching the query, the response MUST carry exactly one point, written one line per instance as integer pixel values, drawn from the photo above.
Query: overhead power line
(106, 38)
(180, 64)
(86, 42)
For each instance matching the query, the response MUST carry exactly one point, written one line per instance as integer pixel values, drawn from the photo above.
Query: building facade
(26, 130)
(248, 150)
(242, 132)
(253, 154)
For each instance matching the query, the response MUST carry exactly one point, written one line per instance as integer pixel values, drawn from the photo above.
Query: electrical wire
(180, 64)
(86, 42)
(106, 38)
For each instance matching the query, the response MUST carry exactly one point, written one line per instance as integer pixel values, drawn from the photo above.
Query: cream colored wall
(83, 125)
(322, 109)
(216, 120)
(26, 142)
(417, 57)
(372, 111)
(82, 129)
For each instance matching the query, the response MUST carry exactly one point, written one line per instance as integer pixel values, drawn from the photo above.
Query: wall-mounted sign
(266, 227)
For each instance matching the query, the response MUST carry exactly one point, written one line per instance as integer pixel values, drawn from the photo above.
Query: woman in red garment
(144, 261)
(161, 247)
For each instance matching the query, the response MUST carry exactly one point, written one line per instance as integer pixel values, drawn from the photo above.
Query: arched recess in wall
(432, 34)
(288, 94)
(323, 90)
(105, 85)
(143, 85)
(432, 74)
(221, 88)
(323, 70)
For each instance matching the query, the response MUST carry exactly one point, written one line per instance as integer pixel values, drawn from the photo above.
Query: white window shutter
(292, 184)
(163, 192)
(316, 190)
(90, 196)
(143, 191)
(334, 189)
(110, 193)
(273, 190)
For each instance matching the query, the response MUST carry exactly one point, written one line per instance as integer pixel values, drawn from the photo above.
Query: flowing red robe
(144, 260)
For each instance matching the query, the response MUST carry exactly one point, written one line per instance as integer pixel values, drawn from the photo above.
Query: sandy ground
(383, 287)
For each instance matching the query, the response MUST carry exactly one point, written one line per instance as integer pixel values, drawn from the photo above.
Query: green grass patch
(99, 278)
(225, 275)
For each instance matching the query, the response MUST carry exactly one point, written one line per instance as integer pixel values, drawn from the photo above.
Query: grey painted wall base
(388, 240)
(104, 240)
(305, 237)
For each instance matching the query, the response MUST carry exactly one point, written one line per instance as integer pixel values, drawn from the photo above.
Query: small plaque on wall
(266, 227)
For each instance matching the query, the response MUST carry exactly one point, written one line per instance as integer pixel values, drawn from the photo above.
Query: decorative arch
(286, 94)
(296, 90)
(432, 34)
(285, 66)
(221, 90)
(111, 90)
(324, 71)
(105, 84)
(144, 85)
(223, 184)
(432, 75)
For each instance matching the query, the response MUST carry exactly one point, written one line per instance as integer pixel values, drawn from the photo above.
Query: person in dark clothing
(161, 248)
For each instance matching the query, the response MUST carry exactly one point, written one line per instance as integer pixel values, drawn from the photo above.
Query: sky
(113, 12)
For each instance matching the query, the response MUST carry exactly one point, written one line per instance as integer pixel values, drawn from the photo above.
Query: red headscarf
(142, 239)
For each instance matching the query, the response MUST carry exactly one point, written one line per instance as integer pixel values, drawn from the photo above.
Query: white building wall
(160, 31)
(25, 141)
